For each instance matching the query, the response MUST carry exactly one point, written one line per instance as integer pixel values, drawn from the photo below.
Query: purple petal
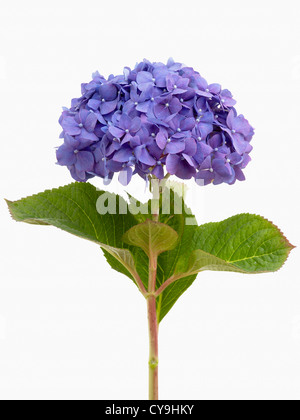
(143, 156)
(204, 177)
(175, 122)
(114, 166)
(221, 168)
(100, 118)
(116, 132)
(183, 83)
(71, 142)
(108, 91)
(219, 179)
(235, 158)
(126, 139)
(205, 148)
(154, 150)
(161, 81)
(201, 82)
(158, 122)
(81, 117)
(178, 91)
(94, 104)
(90, 122)
(241, 125)
(133, 93)
(129, 107)
(108, 107)
(144, 77)
(125, 122)
(85, 135)
(123, 154)
(101, 169)
(206, 163)
(158, 171)
(79, 175)
(135, 125)
(143, 107)
(190, 147)
(226, 97)
(189, 160)
(175, 106)
(215, 88)
(85, 161)
(145, 86)
(224, 150)
(230, 119)
(205, 130)
(135, 142)
(229, 102)
(184, 170)
(175, 146)
(171, 80)
(249, 148)
(70, 126)
(239, 174)
(172, 163)
(246, 160)
(125, 176)
(65, 156)
(205, 94)
(239, 143)
(113, 147)
(216, 141)
(208, 117)
(188, 124)
(161, 111)
(161, 139)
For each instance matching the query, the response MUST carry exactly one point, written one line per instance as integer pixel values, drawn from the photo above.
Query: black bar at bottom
(140, 409)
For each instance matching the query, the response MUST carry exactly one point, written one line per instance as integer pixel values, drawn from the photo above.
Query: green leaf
(244, 243)
(154, 238)
(73, 208)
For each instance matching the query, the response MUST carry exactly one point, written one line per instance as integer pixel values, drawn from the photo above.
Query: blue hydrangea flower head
(154, 120)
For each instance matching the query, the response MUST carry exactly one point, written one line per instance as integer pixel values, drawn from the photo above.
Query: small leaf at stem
(201, 261)
(125, 257)
(154, 238)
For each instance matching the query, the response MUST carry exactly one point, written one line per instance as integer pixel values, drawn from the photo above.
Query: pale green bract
(153, 237)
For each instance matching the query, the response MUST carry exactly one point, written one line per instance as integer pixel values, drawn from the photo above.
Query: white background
(70, 328)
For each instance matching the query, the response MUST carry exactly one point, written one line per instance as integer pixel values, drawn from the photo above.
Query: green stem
(153, 329)
(153, 348)
(167, 283)
(152, 310)
(139, 283)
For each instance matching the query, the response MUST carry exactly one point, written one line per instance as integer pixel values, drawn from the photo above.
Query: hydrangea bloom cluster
(155, 120)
